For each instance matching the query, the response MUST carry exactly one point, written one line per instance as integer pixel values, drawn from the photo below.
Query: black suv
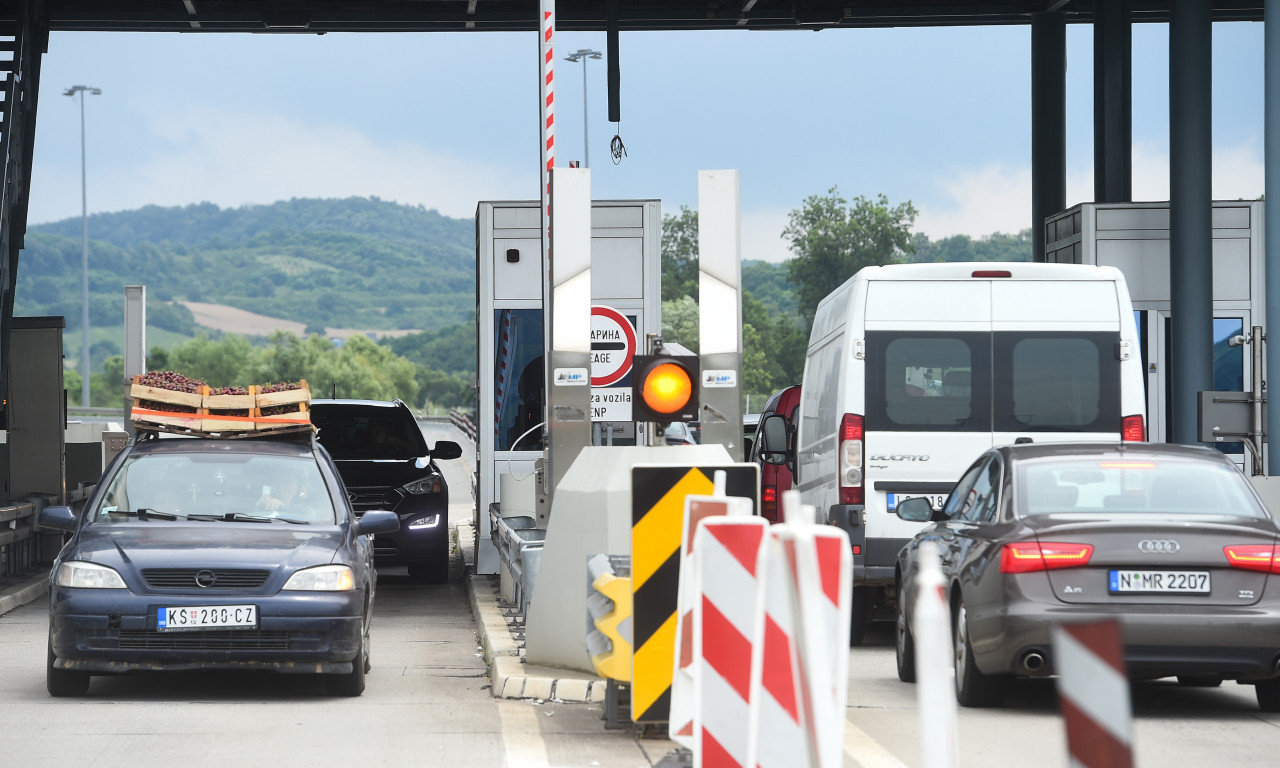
(385, 464)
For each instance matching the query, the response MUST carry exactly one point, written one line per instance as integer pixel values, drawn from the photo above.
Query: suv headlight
(322, 578)
(428, 484)
(426, 521)
(75, 573)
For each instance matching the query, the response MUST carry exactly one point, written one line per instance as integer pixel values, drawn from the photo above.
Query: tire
(1268, 692)
(973, 689)
(352, 683)
(1200, 681)
(861, 604)
(65, 682)
(905, 647)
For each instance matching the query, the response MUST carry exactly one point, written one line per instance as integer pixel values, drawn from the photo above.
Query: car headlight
(322, 578)
(427, 521)
(75, 573)
(428, 484)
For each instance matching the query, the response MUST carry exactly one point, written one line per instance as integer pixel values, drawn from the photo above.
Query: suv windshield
(370, 432)
(217, 486)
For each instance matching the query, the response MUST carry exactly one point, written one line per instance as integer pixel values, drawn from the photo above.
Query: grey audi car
(1170, 540)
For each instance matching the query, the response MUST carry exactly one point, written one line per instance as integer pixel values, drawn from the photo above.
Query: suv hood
(391, 473)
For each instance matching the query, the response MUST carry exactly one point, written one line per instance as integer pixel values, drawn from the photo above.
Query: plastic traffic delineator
(934, 664)
(1093, 691)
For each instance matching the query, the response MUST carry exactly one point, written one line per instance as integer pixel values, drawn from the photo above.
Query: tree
(680, 255)
(680, 322)
(832, 240)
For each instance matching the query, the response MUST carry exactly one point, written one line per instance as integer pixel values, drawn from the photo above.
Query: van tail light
(1029, 556)
(851, 473)
(992, 273)
(1253, 557)
(769, 503)
(1133, 430)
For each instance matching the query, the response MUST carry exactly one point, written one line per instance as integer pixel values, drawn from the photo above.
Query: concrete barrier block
(537, 688)
(568, 689)
(597, 690)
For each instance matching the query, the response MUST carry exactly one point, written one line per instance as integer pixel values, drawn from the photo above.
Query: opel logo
(206, 579)
(1158, 546)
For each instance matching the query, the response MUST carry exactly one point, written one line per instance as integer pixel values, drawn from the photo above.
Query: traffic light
(664, 388)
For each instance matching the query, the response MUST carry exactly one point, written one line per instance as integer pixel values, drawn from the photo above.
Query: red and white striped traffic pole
(1093, 690)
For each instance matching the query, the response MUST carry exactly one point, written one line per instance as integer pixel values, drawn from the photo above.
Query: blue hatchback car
(197, 553)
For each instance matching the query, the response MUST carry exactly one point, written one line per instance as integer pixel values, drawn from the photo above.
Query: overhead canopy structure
(320, 16)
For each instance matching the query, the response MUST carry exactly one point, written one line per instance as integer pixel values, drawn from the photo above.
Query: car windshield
(1163, 485)
(217, 486)
(368, 433)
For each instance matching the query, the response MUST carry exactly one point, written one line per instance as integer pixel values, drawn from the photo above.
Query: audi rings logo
(1158, 546)
(206, 579)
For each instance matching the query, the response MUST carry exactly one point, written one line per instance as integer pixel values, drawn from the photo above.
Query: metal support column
(720, 309)
(1271, 224)
(1112, 102)
(1048, 123)
(1190, 211)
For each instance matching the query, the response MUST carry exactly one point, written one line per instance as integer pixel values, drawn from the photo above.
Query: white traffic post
(935, 664)
(1093, 691)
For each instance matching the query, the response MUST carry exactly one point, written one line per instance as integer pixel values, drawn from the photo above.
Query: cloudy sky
(940, 117)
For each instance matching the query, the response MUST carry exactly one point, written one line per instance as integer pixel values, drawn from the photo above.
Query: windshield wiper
(240, 517)
(143, 513)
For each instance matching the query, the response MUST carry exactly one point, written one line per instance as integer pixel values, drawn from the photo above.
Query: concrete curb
(20, 594)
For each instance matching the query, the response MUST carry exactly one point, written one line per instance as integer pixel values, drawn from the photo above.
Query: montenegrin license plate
(206, 617)
(936, 500)
(1175, 582)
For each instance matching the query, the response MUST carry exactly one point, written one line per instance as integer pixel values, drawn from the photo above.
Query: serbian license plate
(1175, 582)
(936, 500)
(206, 617)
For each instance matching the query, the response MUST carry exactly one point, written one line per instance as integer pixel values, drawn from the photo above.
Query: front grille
(373, 497)
(204, 640)
(185, 578)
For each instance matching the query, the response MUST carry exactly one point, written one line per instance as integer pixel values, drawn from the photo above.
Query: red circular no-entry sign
(613, 346)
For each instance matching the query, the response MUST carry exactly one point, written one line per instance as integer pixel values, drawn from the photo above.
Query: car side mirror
(917, 510)
(377, 521)
(446, 449)
(58, 518)
(772, 435)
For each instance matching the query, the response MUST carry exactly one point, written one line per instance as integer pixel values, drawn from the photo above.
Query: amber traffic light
(664, 388)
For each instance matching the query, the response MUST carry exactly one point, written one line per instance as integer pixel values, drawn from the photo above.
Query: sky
(937, 116)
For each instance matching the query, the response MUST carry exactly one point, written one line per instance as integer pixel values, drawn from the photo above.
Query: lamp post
(84, 238)
(582, 54)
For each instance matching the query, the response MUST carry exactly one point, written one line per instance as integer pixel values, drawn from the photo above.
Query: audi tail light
(851, 473)
(1029, 556)
(1253, 557)
(1133, 429)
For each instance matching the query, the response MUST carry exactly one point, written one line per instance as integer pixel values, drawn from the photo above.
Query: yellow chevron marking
(657, 535)
(654, 668)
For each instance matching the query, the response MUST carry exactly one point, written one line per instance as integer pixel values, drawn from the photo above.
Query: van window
(928, 381)
(1056, 382)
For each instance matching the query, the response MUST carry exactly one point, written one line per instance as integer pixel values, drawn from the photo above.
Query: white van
(913, 370)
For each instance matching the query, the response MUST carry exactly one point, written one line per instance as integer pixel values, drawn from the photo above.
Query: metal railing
(19, 545)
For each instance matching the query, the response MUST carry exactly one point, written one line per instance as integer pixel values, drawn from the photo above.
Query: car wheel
(352, 683)
(1200, 681)
(973, 689)
(1268, 692)
(906, 647)
(861, 604)
(65, 682)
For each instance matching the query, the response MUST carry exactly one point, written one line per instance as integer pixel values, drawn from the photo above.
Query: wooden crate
(228, 413)
(189, 417)
(297, 417)
(288, 397)
(193, 400)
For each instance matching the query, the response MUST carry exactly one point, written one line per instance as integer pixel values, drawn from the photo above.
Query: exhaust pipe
(1032, 663)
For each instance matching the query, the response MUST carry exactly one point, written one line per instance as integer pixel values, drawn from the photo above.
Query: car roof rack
(300, 433)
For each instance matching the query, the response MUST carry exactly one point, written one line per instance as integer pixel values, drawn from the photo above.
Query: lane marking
(866, 751)
(522, 735)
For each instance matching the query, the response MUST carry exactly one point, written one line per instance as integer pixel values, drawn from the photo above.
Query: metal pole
(1048, 123)
(1255, 440)
(1271, 208)
(586, 144)
(84, 267)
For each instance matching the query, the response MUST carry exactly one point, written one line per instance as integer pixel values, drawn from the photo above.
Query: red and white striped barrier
(934, 664)
(1093, 690)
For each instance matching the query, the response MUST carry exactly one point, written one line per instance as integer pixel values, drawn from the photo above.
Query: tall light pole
(582, 54)
(84, 238)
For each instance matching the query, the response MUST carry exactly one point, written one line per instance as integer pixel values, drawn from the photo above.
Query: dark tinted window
(1056, 382)
(928, 381)
(374, 432)
(518, 379)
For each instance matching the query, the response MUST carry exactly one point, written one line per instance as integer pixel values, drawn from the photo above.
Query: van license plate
(936, 500)
(1176, 582)
(206, 617)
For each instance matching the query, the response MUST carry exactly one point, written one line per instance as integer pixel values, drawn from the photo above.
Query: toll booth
(626, 294)
(1134, 237)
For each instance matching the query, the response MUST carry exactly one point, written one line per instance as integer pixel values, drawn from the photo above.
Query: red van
(775, 478)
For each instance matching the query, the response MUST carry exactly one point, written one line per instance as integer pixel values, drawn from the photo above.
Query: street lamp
(582, 54)
(84, 238)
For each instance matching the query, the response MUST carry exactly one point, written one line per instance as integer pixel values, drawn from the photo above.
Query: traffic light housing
(664, 388)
